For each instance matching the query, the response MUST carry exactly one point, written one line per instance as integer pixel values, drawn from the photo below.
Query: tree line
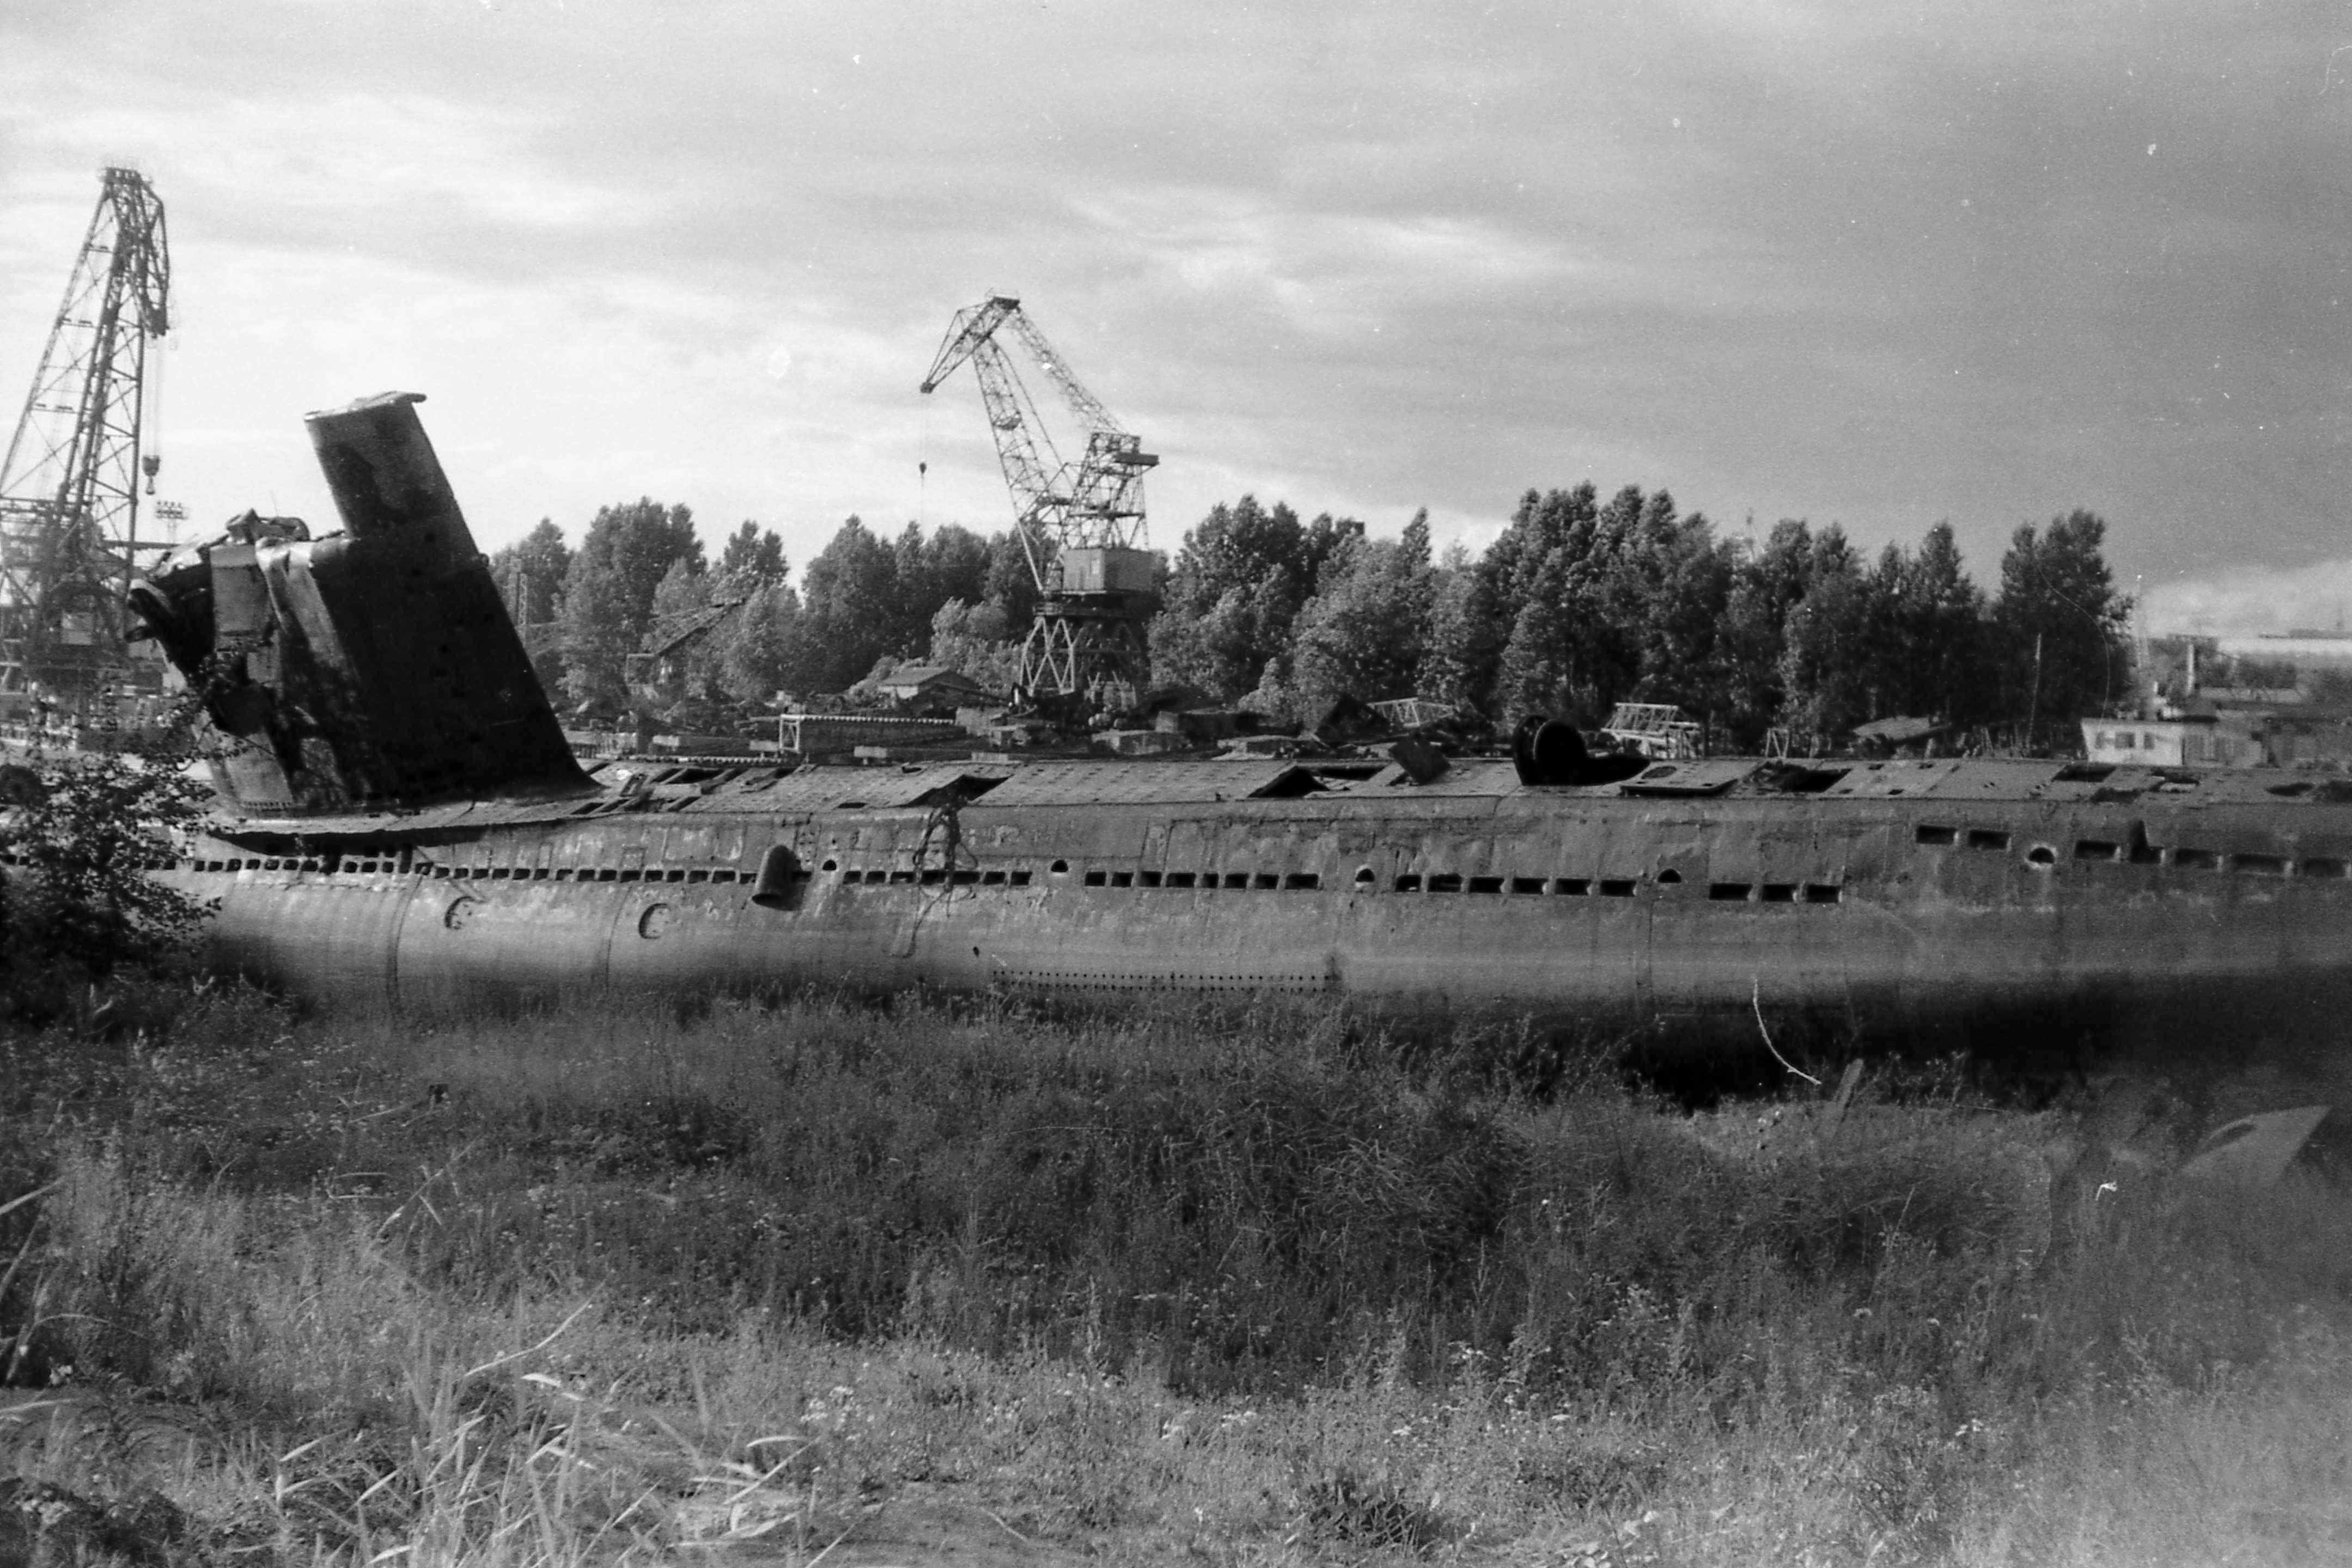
(1580, 603)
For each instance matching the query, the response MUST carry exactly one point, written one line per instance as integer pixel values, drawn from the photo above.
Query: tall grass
(546, 1288)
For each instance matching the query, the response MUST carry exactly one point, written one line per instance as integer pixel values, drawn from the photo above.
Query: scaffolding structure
(69, 486)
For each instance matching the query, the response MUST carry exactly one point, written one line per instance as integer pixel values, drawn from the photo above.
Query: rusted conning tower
(70, 486)
(1081, 524)
(375, 667)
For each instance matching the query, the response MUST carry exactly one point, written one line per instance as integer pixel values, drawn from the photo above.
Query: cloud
(2253, 602)
(1860, 264)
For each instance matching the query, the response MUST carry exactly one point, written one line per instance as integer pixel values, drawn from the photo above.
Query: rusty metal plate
(1463, 776)
(1144, 783)
(1711, 777)
(855, 788)
(1879, 781)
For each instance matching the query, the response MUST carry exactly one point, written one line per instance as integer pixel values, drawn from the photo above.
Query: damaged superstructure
(373, 667)
(412, 831)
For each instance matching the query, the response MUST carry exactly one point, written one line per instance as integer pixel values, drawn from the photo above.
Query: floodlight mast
(1080, 525)
(69, 485)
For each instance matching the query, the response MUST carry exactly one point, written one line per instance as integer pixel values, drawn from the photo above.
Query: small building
(2191, 735)
(923, 690)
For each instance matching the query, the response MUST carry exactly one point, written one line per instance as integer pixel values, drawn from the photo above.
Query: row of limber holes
(484, 873)
(1307, 881)
(2138, 853)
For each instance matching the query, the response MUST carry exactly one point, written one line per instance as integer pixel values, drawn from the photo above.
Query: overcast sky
(1870, 264)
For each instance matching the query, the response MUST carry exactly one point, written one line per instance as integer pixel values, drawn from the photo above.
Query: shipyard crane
(70, 486)
(1080, 523)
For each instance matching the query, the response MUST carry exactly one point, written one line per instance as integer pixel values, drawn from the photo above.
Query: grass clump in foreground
(1249, 1285)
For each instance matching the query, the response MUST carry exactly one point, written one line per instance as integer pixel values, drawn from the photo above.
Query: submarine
(403, 823)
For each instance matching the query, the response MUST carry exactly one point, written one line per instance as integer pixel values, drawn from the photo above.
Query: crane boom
(69, 485)
(1080, 523)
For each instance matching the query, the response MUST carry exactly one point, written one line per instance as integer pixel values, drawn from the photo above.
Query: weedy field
(827, 1281)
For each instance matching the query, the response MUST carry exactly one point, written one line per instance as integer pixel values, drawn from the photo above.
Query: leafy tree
(79, 836)
(1826, 642)
(976, 640)
(1233, 591)
(1009, 582)
(1939, 660)
(951, 564)
(849, 605)
(1460, 643)
(1767, 584)
(752, 558)
(1361, 632)
(1677, 581)
(531, 573)
(608, 595)
(1566, 577)
(763, 649)
(684, 589)
(2058, 626)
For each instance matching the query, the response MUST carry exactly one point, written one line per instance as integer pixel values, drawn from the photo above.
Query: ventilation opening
(1928, 834)
(1446, 882)
(1236, 879)
(2259, 865)
(1266, 882)
(2196, 860)
(2141, 851)
(1364, 877)
(2316, 865)
(1616, 888)
(1408, 883)
(964, 878)
(1149, 878)
(780, 882)
(1020, 879)
(906, 876)
(1780, 893)
(1303, 880)
(1059, 868)
(1097, 879)
(1527, 885)
(830, 866)
(1571, 886)
(2094, 850)
(2042, 857)
(992, 879)
(1987, 839)
(1670, 877)
(1823, 893)
(1122, 879)
(1485, 884)
(1180, 879)
(1728, 892)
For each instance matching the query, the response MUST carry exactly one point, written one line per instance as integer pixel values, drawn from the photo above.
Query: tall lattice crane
(1081, 524)
(69, 486)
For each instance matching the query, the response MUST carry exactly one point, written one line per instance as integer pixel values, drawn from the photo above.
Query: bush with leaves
(79, 837)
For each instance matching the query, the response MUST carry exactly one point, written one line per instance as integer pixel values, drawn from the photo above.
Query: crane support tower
(69, 486)
(1080, 523)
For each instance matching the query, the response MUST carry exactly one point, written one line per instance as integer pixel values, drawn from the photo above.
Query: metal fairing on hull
(1878, 893)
